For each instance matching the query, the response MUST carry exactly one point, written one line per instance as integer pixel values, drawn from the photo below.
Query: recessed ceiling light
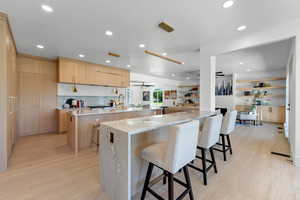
(182, 63)
(165, 54)
(128, 66)
(47, 8)
(173, 75)
(241, 63)
(39, 46)
(107, 61)
(228, 4)
(241, 28)
(188, 78)
(142, 46)
(81, 55)
(108, 33)
(248, 70)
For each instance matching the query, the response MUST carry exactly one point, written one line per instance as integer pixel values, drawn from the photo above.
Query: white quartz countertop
(144, 124)
(110, 111)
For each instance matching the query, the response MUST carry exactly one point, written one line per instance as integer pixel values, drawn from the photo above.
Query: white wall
(87, 90)
(268, 35)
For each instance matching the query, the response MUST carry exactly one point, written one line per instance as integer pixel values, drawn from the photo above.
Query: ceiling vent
(166, 27)
(113, 54)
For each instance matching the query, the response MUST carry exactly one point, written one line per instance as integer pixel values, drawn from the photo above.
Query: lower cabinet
(274, 114)
(62, 121)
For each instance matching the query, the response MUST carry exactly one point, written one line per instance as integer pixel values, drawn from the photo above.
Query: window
(158, 96)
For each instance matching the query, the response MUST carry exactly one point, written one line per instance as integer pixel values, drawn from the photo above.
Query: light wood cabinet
(71, 71)
(274, 114)
(37, 90)
(8, 92)
(79, 72)
(62, 121)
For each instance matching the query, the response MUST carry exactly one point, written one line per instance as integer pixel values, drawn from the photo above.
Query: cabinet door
(274, 114)
(110, 79)
(29, 104)
(80, 73)
(63, 121)
(94, 75)
(66, 71)
(47, 95)
(278, 114)
(126, 79)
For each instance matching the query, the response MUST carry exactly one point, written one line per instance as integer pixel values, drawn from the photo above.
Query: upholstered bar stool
(228, 126)
(208, 137)
(171, 156)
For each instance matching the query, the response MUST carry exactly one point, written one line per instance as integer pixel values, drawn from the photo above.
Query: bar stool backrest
(210, 132)
(182, 145)
(228, 123)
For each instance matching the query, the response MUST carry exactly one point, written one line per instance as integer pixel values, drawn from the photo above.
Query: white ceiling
(78, 26)
(268, 57)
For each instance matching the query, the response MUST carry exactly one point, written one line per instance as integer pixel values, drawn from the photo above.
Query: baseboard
(296, 161)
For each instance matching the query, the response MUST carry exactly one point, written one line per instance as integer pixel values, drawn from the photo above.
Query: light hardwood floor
(42, 167)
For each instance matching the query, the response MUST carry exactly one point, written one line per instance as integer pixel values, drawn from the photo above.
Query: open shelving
(262, 80)
(261, 88)
(265, 96)
(274, 91)
(183, 90)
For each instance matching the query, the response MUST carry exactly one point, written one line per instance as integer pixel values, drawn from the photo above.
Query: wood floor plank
(42, 167)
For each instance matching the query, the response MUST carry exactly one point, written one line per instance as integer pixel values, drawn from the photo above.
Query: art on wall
(146, 95)
(224, 85)
(171, 94)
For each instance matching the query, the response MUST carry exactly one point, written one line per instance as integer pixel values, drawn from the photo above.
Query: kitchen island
(122, 171)
(82, 124)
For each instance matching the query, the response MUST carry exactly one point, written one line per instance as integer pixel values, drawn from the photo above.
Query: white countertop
(143, 124)
(110, 111)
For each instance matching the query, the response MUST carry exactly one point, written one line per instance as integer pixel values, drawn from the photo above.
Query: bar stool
(96, 133)
(228, 126)
(171, 156)
(208, 137)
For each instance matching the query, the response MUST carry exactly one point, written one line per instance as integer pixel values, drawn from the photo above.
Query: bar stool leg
(213, 159)
(224, 147)
(203, 152)
(229, 144)
(171, 186)
(165, 177)
(147, 181)
(188, 182)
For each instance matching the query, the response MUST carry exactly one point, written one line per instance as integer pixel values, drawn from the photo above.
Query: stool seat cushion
(228, 123)
(156, 154)
(210, 133)
(178, 150)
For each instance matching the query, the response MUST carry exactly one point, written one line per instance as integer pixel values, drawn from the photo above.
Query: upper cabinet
(79, 72)
(72, 71)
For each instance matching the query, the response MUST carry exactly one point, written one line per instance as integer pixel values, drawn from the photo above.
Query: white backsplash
(92, 95)
(87, 90)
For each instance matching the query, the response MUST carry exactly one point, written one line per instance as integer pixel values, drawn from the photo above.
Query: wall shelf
(266, 96)
(261, 88)
(188, 86)
(262, 80)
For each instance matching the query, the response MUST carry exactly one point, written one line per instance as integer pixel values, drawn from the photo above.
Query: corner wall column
(207, 84)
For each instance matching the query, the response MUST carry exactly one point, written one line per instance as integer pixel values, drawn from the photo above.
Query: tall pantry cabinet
(8, 92)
